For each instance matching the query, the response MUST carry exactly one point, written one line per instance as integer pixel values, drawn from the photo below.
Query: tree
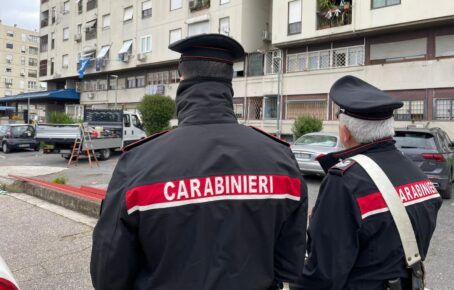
(156, 111)
(306, 124)
(61, 118)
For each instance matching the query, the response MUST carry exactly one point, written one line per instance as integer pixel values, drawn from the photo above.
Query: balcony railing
(44, 22)
(334, 16)
(326, 59)
(196, 5)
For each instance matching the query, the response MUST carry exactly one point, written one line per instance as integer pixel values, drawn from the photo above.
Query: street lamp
(116, 87)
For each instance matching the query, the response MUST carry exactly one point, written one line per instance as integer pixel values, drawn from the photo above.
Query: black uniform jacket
(210, 205)
(353, 241)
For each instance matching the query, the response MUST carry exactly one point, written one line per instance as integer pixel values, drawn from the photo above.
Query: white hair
(366, 131)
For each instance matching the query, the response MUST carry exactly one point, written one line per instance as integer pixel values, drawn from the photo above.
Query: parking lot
(44, 258)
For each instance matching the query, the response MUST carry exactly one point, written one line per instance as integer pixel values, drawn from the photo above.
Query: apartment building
(18, 60)
(405, 47)
(115, 52)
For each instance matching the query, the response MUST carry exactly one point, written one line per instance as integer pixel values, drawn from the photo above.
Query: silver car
(310, 146)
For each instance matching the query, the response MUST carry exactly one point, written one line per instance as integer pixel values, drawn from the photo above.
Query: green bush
(156, 111)
(59, 180)
(61, 118)
(305, 124)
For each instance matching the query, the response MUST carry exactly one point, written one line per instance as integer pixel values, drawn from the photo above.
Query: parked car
(310, 146)
(7, 281)
(17, 136)
(431, 150)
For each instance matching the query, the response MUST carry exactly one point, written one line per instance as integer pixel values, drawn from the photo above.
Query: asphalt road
(48, 250)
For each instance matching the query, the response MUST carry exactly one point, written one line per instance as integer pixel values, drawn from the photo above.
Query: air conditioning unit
(142, 56)
(64, 66)
(78, 37)
(266, 35)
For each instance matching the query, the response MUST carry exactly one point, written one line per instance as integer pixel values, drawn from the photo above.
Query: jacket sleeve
(115, 254)
(332, 237)
(290, 248)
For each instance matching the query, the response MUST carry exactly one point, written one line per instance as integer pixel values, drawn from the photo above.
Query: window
(65, 33)
(9, 45)
(52, 41)
(270, 107)
(43, 43)
(90, 29)
(34, 73)
(128, 13)
(444, 109)
(65, 61)
(106, 21)
(44, 18)
(131, 83)
(53, 14)
(10, 34)
(255, 64)
(238, 109)
(8, 70)
(294, 17)
(146, 9)
(33, 38)
(33, 61)
(145, 44)
(126, 49)
(400, 50)
(33, 50)
(79, 28)
(31, 84)
(9, 59)
(22, 72)
(23, 49)
(198, 28)
(296, 62)
(411, 110)
(140, 81)
(104, 52)
(52, 66)
(313, 108)
(384, 3)
(444, 45)
(222, 2)
(22, 60)
(224, 25)
(273, 62)
(80, 6)
(66, 7)
(175, 4)
(42, 68)
(92, 4)
(175, 35)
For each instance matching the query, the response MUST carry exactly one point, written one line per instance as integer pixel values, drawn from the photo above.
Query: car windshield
(3, 129)
(22, 131)
(415, 140)
(317, 140)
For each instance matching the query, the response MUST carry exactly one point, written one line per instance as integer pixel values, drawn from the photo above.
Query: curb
(82, 205)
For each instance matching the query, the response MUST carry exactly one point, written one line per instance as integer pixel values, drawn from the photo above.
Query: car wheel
(6, 148)
(104, 154)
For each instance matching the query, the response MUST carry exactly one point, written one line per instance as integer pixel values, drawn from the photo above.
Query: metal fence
(411, 110)
(273, 62)
(326, 59)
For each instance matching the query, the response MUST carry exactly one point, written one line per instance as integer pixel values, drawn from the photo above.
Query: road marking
(72, 215)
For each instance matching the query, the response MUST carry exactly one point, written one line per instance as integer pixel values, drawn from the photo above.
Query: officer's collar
(332, 159)
(205, 101)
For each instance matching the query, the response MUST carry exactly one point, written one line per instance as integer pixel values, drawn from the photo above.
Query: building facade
(18, 60)
(295, 51)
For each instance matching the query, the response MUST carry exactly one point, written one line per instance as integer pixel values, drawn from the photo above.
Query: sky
(24, 13)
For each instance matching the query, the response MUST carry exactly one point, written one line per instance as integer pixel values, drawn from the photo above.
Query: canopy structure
(4, 108)
(69, 95)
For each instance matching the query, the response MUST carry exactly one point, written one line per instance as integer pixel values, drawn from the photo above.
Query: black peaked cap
(212, 47)
(362, 100)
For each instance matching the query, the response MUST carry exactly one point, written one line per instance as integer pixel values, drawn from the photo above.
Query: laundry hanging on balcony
(84, 63)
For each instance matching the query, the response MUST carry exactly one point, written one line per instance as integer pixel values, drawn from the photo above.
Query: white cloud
(24, 13)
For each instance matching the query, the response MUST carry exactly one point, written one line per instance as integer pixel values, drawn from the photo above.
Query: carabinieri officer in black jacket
(353, 241)
(210, 205)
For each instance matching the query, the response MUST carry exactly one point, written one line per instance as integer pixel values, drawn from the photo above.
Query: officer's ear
(345, 136)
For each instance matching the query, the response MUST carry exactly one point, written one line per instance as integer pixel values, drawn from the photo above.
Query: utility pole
(279, 96)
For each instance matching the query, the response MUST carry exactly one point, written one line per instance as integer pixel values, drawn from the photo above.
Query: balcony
(44, 18)
(334, 13)
(92, 4)
(196, 5)
(44, 22)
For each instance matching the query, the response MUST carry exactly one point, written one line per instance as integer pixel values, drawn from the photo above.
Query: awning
(126, 46)
(58, 95)
(3, 108)
(90, 25)
(103, 52)
(84, 63)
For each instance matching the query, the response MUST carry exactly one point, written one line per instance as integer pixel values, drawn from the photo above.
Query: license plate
(24, 145)
(303, 156)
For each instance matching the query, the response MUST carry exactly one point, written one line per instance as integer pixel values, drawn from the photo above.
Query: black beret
(213, 47)
(361, 100)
